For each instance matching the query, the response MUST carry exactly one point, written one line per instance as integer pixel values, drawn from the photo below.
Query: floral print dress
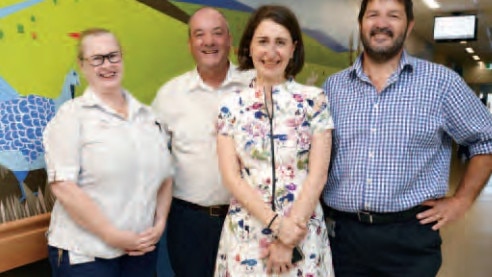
(298, 112)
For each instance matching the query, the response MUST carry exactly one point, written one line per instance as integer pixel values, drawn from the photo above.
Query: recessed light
(432, 4)
(469, 50)
(476, 57)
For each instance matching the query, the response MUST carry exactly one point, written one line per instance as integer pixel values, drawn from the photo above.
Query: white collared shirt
(120, 164)
(188, 108)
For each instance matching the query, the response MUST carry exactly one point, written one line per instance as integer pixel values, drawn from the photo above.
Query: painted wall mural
(38, 68)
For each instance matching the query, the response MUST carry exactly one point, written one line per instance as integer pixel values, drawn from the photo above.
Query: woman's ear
(293, 50)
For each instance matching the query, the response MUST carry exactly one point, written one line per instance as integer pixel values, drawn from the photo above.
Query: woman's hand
(279, 258)
(291, 232)
(125, 240)
(147, 240)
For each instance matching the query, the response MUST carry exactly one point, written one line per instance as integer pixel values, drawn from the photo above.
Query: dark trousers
(192, 240)
(124, 266)
(405, 249)
(164, 268)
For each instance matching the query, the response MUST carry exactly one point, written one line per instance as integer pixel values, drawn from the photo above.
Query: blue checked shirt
(392, 150)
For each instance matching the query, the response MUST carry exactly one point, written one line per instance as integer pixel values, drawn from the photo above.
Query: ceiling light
(469, 50)
(432, 4)
(463, 42)
(476, 57)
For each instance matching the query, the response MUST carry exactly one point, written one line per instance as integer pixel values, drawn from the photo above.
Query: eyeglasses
(97, 60)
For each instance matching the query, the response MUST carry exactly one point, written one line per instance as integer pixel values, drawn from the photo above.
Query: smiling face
(210, 40)
(383, 29)
(106, 77)
(271, 50)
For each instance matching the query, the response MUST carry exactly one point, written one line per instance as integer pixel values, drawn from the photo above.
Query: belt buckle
(365, 217)
(214, 211)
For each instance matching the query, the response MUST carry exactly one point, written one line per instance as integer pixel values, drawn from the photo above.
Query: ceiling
(424, 18)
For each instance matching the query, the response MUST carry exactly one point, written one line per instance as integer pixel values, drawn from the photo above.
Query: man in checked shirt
(395, 119)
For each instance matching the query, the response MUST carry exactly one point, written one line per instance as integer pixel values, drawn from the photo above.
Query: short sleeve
(159, 105)
(319, 113)
(169, 160)
(226, 119)
(467, 120)
(61, 143)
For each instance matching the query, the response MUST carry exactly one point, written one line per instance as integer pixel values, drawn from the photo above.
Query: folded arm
(87, 214)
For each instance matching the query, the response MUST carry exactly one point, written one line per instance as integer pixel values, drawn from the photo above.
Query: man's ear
(410, 27)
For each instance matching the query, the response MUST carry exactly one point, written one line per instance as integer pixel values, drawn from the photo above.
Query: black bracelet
(272, 220)
(268, 230)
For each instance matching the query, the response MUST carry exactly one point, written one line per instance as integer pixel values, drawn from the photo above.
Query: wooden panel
(23, 241)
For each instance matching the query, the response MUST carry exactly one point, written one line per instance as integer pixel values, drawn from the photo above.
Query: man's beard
(384, 53)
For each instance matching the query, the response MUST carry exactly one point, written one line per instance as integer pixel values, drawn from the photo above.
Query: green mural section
(36, 59)
(38, 47)
(38, 44)
(320, 60)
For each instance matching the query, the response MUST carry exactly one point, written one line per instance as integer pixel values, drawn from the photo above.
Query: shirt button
(369, 181)
(373, 130)
(371, 154)
(367, 206)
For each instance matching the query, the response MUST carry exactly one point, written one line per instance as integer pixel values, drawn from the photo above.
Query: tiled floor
(467, 243)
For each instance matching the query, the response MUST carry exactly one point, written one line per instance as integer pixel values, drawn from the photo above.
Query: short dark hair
(280, 15)
(408, 9)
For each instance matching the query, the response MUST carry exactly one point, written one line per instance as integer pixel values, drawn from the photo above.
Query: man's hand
(443, 211)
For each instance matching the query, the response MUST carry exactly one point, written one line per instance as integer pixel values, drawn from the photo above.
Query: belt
(377, 218)
(216, 210)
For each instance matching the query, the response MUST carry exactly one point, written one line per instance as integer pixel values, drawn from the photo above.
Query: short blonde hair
(92, 32)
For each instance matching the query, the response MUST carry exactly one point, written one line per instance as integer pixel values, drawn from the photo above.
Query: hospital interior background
(38, 72)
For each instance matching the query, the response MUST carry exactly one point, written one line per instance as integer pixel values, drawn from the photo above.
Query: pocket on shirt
(424, 130)
(192, 140)
(100, 131)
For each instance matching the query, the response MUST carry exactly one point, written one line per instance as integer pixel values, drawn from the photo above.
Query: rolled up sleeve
(466, 119)
(61, 140)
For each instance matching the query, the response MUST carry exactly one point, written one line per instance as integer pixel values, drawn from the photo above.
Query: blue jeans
(124, 266)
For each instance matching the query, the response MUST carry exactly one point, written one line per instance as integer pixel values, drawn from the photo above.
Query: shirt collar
(90, 99)
(287, 85)
(232, 76)
(406, 63)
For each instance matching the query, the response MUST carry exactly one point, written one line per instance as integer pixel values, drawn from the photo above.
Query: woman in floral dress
(274, 139)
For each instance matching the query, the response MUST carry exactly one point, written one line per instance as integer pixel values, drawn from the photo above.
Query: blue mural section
(226, 4)
(325, 40)
(18, 7)
(22, 122)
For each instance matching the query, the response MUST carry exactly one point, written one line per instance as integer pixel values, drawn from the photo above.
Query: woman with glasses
(109, 167)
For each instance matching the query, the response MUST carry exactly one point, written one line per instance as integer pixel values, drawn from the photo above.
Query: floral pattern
(298, 112)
